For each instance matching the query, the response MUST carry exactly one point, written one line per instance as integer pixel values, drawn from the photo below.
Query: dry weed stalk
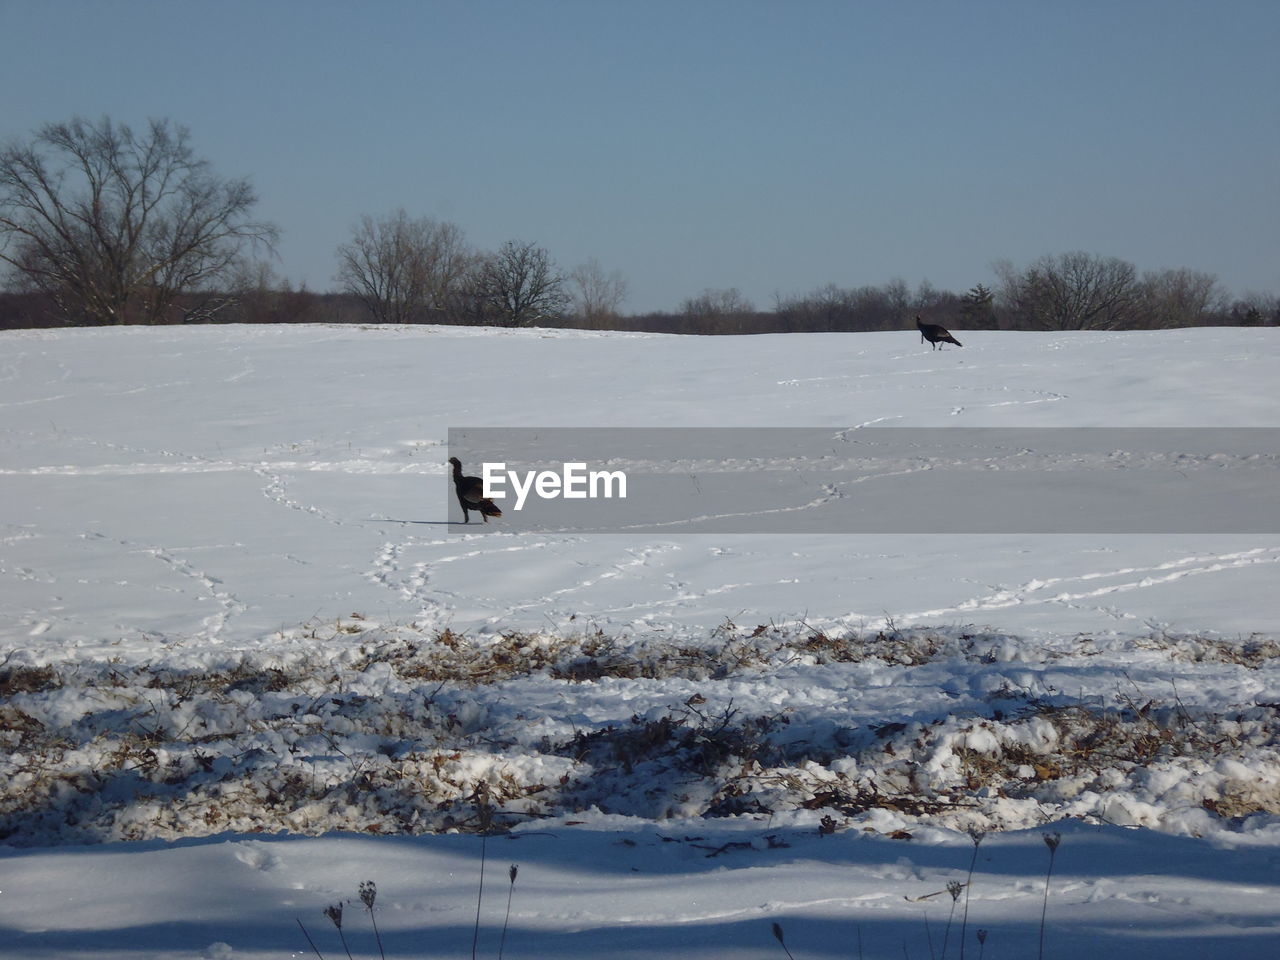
(369, 894)
(506, 922)
(977, 837)
(334, 913)
(777, 935)
(954, 888)
(1051, 840)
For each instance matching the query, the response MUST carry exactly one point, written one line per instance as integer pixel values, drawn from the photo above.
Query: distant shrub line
(828, 310)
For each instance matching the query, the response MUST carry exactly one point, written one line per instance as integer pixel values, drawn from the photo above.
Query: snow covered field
(232, 604)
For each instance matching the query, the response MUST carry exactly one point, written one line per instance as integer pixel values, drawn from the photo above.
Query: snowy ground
(232, 604)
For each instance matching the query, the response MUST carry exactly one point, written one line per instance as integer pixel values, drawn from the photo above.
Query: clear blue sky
(769, 146)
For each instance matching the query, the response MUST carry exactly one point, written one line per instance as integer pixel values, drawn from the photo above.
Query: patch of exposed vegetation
(387, 736)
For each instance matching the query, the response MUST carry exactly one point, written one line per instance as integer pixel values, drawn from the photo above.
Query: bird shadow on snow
(451, 524)
(425, 523)
(422, 523)
(648, 892)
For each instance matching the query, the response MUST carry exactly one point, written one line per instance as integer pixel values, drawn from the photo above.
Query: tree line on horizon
(103, 225)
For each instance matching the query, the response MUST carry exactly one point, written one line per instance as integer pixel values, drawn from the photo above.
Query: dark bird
(471, 496)
(935, 333)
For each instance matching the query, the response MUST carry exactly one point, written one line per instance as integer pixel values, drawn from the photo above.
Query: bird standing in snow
(935, 333)
(471, 496)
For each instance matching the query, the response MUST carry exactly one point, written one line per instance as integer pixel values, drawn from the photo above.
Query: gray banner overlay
(884, 479)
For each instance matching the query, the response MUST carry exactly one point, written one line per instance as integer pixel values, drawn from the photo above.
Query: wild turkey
(935, 333)
(471, 496)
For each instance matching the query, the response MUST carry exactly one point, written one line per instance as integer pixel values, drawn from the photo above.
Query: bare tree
(718, 311)
(596, 294)
(885, 307)
(113, 226)
(1180, 298)
(717, 303)
(256, 293)
(1255, 310)
(898, 296)
(519, 286)
(402, 269)
(1071, 291)
(828, 308)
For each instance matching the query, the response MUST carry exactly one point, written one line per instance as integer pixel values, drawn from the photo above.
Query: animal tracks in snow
(450, 574)
(521, 582)
(227, 605)
(1083, 589)
(233, 473)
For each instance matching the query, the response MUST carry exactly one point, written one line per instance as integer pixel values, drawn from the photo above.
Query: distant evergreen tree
(977, 307)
